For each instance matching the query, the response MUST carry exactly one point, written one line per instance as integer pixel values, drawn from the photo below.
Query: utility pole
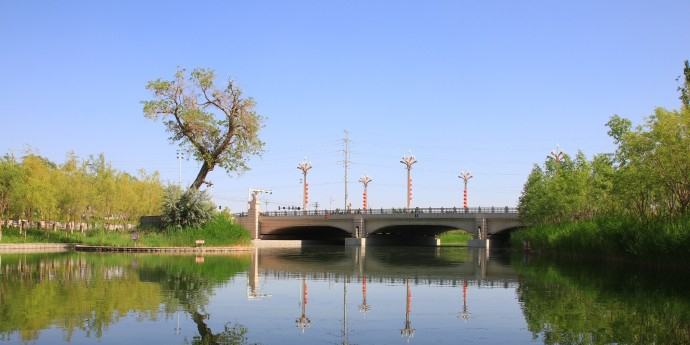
(347, 166)
(408, 160)
(305, 166)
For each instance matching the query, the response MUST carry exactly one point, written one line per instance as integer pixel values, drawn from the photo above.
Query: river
(337, 295)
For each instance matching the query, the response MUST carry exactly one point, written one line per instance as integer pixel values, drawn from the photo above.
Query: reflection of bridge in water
(408, 269)
(441, 265)
(417, 226)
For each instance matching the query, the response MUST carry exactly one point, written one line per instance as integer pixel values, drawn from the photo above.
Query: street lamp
(365, 181)
(557, 154)
(465, 176)
(408, 160)
(180, 154)
(305, 166)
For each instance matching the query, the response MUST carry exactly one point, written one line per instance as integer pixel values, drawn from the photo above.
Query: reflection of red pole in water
(364, 307)
(407, 332)
(409, 299)
(303, 321)
(464, 315)
(306, 293)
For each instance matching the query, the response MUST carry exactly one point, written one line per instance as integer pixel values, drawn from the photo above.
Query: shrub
(191, 208)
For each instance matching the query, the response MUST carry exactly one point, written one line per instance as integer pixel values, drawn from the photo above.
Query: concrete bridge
(415, 226)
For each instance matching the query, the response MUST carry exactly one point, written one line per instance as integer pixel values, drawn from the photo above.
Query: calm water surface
(336, 295)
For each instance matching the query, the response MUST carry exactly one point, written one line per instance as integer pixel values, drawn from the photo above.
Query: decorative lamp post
(465, 176)
(408, 160)
(305, 166)
(180, 154)
(365, 181)
(557, 154)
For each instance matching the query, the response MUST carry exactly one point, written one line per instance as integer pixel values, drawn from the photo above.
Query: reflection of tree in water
(231, 335)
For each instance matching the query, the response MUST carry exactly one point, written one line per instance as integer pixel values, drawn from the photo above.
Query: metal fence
(389, 211)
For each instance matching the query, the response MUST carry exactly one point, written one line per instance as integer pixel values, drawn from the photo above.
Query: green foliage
(86, 292)
(685, 89)
(78, 191)
(455, 237)
(10, 175)
(654, 240)
(190, 208)
(566, 189)
(648, 176)
(571, 303)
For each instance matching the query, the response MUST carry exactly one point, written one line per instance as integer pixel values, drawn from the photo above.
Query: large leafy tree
(216, 126)
(37, 192)
(685, 88)
(10, 174)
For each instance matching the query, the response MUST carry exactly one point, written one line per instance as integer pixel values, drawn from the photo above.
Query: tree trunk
(201, 177)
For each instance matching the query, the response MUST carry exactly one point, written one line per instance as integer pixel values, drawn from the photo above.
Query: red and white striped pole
(465, 176)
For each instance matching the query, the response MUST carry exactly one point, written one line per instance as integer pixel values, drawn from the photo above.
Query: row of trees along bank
(633, 202)
(78, 193)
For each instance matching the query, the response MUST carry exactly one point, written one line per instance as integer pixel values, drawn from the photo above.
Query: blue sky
(485, 86)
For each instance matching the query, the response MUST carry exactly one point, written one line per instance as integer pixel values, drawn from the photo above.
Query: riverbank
(64, 247)
(218, 233)
(614, 239)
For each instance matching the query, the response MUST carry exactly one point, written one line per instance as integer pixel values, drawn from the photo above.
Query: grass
(218, 232)
(455, 237)
(657, 240)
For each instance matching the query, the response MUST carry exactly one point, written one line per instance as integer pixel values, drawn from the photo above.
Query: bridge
(414, 226)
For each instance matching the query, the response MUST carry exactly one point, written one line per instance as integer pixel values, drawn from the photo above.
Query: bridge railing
(389, 211)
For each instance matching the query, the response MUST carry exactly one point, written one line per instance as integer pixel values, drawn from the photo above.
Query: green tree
(36, 195)
(10, 173)
(217, 126)
(685, 88)
(148, 193)
(566, 189)
(653, 174)
(75, 194)
(104, 187)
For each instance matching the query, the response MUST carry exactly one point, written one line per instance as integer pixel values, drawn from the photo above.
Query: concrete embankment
(35, 247)
(201, 250)
(64, 247)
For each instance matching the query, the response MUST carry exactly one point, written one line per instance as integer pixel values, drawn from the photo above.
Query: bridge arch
(306, 232)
